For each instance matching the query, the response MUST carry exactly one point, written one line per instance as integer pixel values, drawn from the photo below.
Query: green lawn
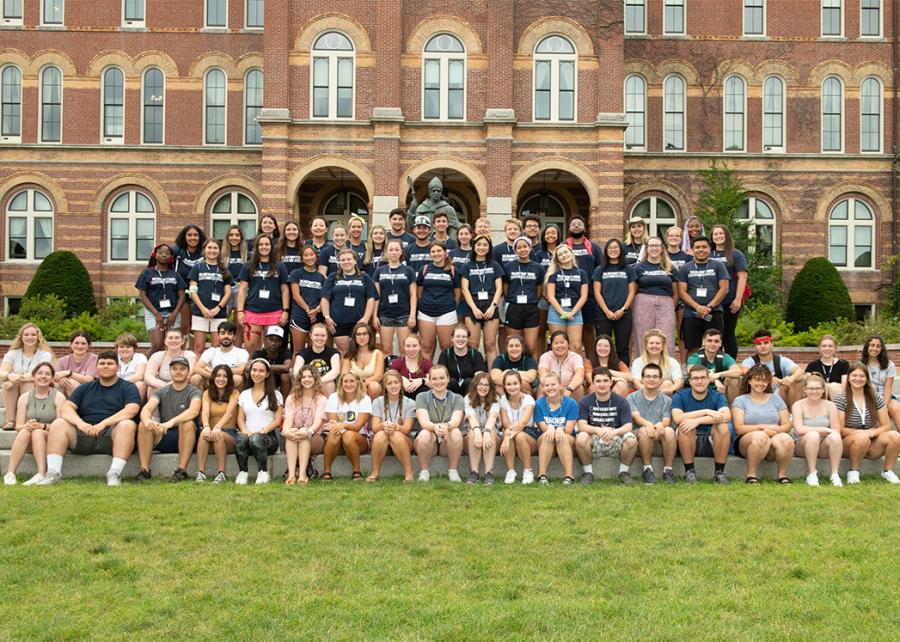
(350, 561)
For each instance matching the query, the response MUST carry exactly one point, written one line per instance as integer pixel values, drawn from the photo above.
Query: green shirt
(721, 363)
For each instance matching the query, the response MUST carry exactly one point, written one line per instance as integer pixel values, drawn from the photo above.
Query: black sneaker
(625, 478)
(473, 477)
(179, 475)
(721, 479)
(649, 477)
(668, 476)
(587, 478)
(488, 478)
(143, 475)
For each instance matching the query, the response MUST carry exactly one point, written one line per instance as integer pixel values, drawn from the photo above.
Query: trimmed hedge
(63, 274)
(818, 295)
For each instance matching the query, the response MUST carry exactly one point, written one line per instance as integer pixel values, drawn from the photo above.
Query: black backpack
(776, 363)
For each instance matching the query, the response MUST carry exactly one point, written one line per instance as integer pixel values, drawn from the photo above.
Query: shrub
(818, 295)
(50, 314)
(64, 275)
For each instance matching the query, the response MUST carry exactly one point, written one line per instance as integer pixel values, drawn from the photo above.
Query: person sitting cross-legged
(702, 417)
(651, 414)
(604, 428)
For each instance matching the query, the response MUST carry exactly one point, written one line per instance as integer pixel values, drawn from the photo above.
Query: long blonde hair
(664, 262)
(41, 341)
(370, 245)
(555, 264)
(664, 355)
(360, 388)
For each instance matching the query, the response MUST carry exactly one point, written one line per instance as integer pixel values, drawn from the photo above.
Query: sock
(649, 468)
(117, 466)
(624, 468)
(526, 470)
(689, 466)
(665, 468)
(720, 468)
(54, 464)
(588, 468)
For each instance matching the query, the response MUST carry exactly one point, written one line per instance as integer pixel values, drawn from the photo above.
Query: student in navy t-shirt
(522, 287)
(318, 231)
(397, 219)
(615, 287)
(701, 416)
(395, 310)
(348, 298)
(504, 252)
(161, 290)
(328, 256)
(417, 254)
(482, 287)
(677, 256)
(555, 415)
(733, 259)
(355, 239)
(289, 246)
(305, 283)
(635, 239)
(188, 252)
(605, 428)
(588, 256)
(374, 249)
(210, 286)
(702, 285)
(566, 288)
(263, 297)
(654, 305)
(441, 234)
(438, 295)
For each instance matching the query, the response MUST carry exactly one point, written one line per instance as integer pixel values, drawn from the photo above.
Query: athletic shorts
(300, 321)
(522, 315)
(169, 442)
(343, 329)
(150, 320)
(202, 324)
(443, 320)
(93, 444)
(483, 305)
(262, 318)
(590, 310)
(612, 448)
(704, 443)
(394, 322)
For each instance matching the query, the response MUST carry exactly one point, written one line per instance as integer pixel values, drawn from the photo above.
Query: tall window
(51, 105)
(549, 208)
(52, 12)
(132, 227)
(253, 102)
(635, 110)
(332, 77)
(133, 14)
(761, 219)
(113, 105)
(154, 95)
(735, 107)
(657, 213)
(851, 235)
(773, 114)
(12, 12)
(342, 205)
(673, 17)
(255, 14)
(870, 18)
(214, 110)
(11, 104)
(216, 13)
(29, 226)
(444, 78)
(832, 17)
(230, 209)
(870, 115)
(754, 17)
(554, 79)
(832, 115)
(673, 113)
(635, 17)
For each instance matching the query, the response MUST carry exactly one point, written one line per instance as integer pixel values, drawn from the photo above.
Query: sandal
(9, 425)
(290, 481)
(326, 477)
(751, 480)
(372, 478)
(568, 481)
(784, 480)
(356, 475)
(543, 479)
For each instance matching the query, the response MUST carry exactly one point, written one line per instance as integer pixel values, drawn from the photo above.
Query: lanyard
(443, 416)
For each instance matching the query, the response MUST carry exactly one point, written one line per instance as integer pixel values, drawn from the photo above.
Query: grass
(408, 562)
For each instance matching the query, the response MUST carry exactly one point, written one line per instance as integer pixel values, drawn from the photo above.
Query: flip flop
(751, 480)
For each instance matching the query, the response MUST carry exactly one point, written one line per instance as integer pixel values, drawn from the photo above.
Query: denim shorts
(150, 319)
(394, 322)
(553, 318)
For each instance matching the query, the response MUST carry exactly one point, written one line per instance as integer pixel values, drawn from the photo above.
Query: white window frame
(880, 33)
(244, 106)
(247, 24)
(62, 20)
(443, 59)
(775, 149)
(206, 24)
(747, 34)
(29, 214)
(652, 219)
(132, 216)
(40, 132)
(15, 21)
(554, 60)
(878, 82)
(642, 147)
(134, 24)
(17, 138)
(743, 113)
(635, 3)
(822, 20)
(666, 30)
(753, 222)
(233, 217)
(143, 88)
(7, 300)
(206, 108)
(683, 112)
(332, 55)
(851, 225)
(546, 219)
(822, 116)
(332, 219)
(104, 139)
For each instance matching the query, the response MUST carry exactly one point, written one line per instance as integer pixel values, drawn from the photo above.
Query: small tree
(64, 275)
(818, 295)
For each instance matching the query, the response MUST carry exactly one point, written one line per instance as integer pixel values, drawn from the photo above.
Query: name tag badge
(522, 299)
(701, 292)
(216, 296)
(349, 301)
(263, 294)
(393, 298)
(565, 302)
(482, 295)
(165, 303)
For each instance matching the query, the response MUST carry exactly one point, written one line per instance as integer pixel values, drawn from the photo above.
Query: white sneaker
(836, 480)
(890, 476)
(201, 476)
(812, 479)
(453, 475)
(241, 479)
(37, 479)
(112, 479)
(9, 479)
(510, 477)
(262, 477)
(852, 476)
(50, 479)
(424, 475)
(527, 476)
(219, 478)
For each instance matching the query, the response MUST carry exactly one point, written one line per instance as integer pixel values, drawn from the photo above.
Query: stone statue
(434, 204)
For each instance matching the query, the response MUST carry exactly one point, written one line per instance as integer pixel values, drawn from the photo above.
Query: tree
(64, 275)
(818, 295)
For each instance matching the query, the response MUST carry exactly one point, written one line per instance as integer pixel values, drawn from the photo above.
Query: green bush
(64, 275)
(818, 295)
(49, 313)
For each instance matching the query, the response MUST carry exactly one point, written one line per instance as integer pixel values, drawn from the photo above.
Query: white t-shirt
(515, 415)
(24, 365)
(213, 357)
(674, 368)
(128, 369)
(257, 416)
(348, 412)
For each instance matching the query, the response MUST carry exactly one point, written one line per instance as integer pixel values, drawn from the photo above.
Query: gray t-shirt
(439, 410)
(879, 377)
(760, 413)
(653, 411)
(174, 402)
(393, 411)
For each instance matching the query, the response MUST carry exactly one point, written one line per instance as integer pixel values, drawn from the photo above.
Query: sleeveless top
(369, 370)
(42, 410)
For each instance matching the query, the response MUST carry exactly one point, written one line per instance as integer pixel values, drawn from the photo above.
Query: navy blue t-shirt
(438, 285)
(702, 283)
(652, 279)
(685, 401)
(678, 259)
(310, 286)
(568, 282)
(263, 291)
(614, 281)
(348, 295)
(448, 243)
(542, 256)
(504, 253)
(185, 260)
(291, 259)
(317, 248)
(586, 260)
(96, 402)
(211, 284)
(406, 238)
(460, 257)
(162, 287)
(482, 277)
(417, 256)
(328, 257)
(235, 263)
(377, 258)
(612, 413)
(523, 279)
(632, 252)
(740, 265)
(360, 250)
(394, 284)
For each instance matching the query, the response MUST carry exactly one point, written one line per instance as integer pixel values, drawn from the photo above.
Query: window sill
(214, 29)
(135, 28)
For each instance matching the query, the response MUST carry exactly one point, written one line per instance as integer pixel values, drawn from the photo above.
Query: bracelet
(569, 388)
(240, 311)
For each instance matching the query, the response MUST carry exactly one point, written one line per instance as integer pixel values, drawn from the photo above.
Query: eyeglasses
(699, 379)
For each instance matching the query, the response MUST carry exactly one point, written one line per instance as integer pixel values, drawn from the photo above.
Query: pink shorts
(261, 318)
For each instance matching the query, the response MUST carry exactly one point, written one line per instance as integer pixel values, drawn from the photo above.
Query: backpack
(776, 364)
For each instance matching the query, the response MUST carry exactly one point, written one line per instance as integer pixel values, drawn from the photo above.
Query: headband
(522, 238)
(763, 339)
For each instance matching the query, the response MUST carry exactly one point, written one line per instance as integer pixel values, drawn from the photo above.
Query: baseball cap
(423, 220)
(180, 361)
(275, 331)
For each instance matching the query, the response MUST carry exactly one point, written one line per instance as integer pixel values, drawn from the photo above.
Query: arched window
(29, 226)
(51, 105)
(635, 112)
(214, 107)
(870, 115)
(332, 76)
(113, 105)
(657, 213)
(548, 208)
(154, 111)
(673, 114)
(851, 235)
(773, 114)
(761, 230)
(555, 79)
(444, 78)
(735, 110)
(832, 115)
(343, 204)
(11, 104)
(253, 103)
(132, 227)
(233, 208)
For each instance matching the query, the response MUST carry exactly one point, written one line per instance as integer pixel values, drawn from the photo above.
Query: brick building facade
(516, 105)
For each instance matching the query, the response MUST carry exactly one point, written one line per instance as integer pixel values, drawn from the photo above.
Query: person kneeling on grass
(555, 414)
(168, 421)
(604, 429)
(260, 409)
(483, 414)
(98, 418)
(651, 414)
(393, 416)
(440, 415)
(218, 416)
(348, 412)
(702, 417)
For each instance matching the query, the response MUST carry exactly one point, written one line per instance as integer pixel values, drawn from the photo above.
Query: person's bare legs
(307, 448)
(427, 333)
(546, 450)
(584, 448)
(526, 448)
(754, 446)
(453, 447)
(355, 445)
(426, 447)
(782, 451)
(809, 444)
(445, 335)
(564, 449)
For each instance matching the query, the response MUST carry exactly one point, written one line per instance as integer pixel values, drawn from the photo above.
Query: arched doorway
(554, 196)
(334, 193)
(458, 190)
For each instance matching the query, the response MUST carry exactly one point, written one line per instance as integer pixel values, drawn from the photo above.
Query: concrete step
(604, 468)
